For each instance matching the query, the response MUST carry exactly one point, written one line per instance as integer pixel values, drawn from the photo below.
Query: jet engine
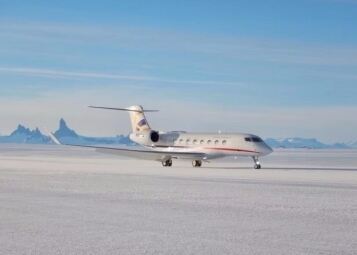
(154, 136)
(145, 138)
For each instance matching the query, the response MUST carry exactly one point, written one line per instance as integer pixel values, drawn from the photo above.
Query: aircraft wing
(145, 154)
(139, 153)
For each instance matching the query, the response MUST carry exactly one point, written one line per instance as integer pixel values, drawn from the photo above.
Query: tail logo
(141, 125)
(142, 122)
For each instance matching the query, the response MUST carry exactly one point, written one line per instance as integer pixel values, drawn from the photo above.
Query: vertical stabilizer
(138, 119)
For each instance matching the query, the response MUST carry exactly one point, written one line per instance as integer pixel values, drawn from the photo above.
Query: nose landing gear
(256, 163)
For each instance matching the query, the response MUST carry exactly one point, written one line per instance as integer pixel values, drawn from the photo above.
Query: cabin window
(202, 142)
(195, 141)
(216, 142)
(209, 142)
(181, 141)
(248, 139)
(188, 141)
(224, 142)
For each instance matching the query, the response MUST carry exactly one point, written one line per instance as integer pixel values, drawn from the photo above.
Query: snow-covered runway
(56, 200)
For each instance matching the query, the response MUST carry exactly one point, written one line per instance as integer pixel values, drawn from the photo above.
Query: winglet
(54, 139)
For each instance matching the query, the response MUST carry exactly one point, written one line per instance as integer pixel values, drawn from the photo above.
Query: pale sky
(274, 68)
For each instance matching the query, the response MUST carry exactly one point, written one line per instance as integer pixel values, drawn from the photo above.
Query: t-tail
(138, 120)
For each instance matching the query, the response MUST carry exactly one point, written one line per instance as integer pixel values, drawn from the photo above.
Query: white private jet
(198, 147)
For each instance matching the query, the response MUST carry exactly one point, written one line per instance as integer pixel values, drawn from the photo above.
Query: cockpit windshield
(257, 139)
(253, 139)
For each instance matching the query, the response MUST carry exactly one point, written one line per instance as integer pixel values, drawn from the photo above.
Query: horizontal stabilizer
(122, 109)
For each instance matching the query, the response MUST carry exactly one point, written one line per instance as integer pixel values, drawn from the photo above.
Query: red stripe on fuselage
(208, 148)
(230, 149)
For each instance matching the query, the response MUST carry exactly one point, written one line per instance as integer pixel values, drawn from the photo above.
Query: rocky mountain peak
(21, 130)
(64, 130)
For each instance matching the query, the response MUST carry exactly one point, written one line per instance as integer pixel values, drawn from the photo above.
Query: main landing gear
(256, 163)
(196, 163)
(167, 163)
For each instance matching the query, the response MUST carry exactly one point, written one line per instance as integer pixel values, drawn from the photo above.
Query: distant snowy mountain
(69, 136)
(25, 135)
(64, 134)
(65, 131)
(352, 144)
(295, 143)
(298, 142)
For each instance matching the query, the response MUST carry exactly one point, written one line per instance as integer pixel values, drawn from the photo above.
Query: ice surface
(55, 200)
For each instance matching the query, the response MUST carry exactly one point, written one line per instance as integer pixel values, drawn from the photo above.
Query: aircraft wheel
(257, 166)
(196, 163)
(256, 163)
(167, 163)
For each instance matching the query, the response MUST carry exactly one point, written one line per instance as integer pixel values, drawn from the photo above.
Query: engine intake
(154, 136)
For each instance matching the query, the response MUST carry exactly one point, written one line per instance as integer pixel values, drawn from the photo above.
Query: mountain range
(67, 135)
(310, 143)
(64, 134)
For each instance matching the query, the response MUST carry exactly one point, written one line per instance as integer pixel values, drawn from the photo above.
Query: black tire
(167, 163)
(196, 163)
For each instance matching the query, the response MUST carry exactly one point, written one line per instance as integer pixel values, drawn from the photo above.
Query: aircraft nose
(270, 150)
(265, 149)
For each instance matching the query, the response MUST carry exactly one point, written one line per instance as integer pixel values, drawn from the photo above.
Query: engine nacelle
(145, 138)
